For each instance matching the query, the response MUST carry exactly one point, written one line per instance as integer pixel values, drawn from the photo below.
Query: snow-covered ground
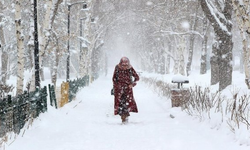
(88, 123)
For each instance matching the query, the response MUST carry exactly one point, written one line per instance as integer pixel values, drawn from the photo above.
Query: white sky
(88, 123)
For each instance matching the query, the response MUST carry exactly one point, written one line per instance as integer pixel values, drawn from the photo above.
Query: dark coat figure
(124, 79)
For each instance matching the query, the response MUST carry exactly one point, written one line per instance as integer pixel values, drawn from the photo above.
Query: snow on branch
(217, 15)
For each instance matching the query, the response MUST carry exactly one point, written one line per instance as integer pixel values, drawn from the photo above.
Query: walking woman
(124, 79)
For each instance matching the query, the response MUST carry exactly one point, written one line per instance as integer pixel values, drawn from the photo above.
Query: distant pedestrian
(124, 79)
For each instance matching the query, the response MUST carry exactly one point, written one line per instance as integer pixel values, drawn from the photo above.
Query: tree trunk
(31, 45)
(162, 64)
(182, 61)
(56, 6)
(83, 53)
(222, 27)
(244, 23)
(203, 67)
(214, 62)
(55, 65)
(168, 58)
(4, 56)
(191, 42)
(20, 48)
(45, 37)
(190, 54)
(177, 60)
(225, 59)
(95, 59)
(87, 35)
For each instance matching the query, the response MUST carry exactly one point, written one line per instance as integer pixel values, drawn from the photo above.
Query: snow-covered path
(88, 123)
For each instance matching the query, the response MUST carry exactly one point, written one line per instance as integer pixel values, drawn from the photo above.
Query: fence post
(52, 95)
(44, 99)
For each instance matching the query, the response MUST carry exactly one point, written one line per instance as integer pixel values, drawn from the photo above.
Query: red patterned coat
(122, 78)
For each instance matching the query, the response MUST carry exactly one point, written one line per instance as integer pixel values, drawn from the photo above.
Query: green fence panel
(3, 106)
(76, 85)
(16, 111)
(52, 96)
(44, 99)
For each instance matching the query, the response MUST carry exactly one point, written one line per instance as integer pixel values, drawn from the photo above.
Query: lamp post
(68, 58)
(36, 50)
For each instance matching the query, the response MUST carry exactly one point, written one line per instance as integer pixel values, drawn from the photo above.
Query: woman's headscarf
(125, 61)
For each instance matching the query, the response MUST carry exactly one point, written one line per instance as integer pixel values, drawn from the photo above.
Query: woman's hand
(132, 85)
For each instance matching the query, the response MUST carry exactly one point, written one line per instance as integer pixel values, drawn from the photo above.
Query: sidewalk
(88, 123)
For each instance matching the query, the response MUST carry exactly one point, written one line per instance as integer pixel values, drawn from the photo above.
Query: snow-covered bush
(217, 109)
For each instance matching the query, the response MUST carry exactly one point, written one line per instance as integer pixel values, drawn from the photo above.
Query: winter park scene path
(88, 123)
(45, 43)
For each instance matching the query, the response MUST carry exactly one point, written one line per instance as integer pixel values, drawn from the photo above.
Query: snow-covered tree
(219, 13)
(45, 35)
(158, 35)
(241, 9)
(204, 53)
(4, 56)
(85, 52)
(20, 47)
(194, 24)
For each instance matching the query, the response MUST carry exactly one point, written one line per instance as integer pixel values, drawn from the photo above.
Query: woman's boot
(123, 117)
